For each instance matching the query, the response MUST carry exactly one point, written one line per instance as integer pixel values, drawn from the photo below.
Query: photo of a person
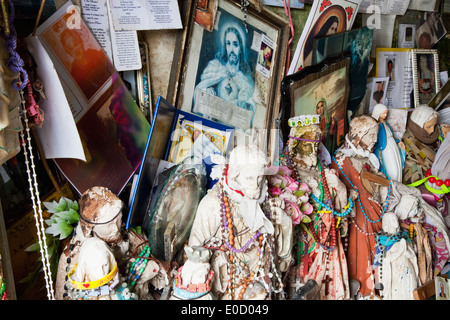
(379, 93)
(81, 55)
(327, 97)
(425, 73)
(265, 57)
(331, 21)
(228, 75)
(390, 70)
(424, 41)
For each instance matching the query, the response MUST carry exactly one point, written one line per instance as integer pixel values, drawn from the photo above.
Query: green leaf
(33, 248)
(54, 206)
(61, 228)
(71, 216)
(306, 219)
(71, 204)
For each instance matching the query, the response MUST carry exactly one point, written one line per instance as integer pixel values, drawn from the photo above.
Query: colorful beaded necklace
(359, 198)
(135, 271)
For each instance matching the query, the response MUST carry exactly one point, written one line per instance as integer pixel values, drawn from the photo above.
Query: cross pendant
(327, 281)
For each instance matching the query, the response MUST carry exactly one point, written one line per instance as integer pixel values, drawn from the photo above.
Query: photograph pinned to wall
(325, 18)
(205, 13)
(358, 42)
(406, 35)
(320, 89)
(113, 133)
(78, 57)
(378, 89)
(265, 56)
(396, 64)
(431, 31)
(219, 79)
(425, 75)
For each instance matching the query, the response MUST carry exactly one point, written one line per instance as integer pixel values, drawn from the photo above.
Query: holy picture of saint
(226, 67)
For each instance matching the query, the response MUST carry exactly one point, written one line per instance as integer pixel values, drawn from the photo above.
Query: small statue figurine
(398, 269)
(193, 279)
(420, 139)
(352, 160)
(322, 257)
(389, 150)
(101, 217)
(96, 274)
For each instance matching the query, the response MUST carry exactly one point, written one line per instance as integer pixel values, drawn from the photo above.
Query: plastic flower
(293, 211)
(274, 191)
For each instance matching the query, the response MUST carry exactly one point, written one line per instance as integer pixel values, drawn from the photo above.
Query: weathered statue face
(304, 144)
(368, 140)
(246, 169)
(363, 132)
(111, 231)
(250, 178)
(430, 125)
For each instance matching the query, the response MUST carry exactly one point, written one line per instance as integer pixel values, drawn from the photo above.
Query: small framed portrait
(406, 35)
(321, 89)
(231, 75)
(378, 90)
(425, 64)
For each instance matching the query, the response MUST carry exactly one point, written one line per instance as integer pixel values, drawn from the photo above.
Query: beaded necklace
(359, 198)
(135, 270)
(236, 267)
(382, 247)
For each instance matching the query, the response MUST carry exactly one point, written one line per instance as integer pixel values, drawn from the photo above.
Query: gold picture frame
(198, 47)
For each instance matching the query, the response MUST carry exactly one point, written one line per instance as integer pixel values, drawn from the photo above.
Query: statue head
(304, 144)
(363, 132)
(246, 168)
(426, 118)
(380, 112)
(95, 261)
(101, 214)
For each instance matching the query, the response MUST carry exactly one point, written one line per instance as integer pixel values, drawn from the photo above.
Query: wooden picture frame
(197, 48)
(425, 65)
(304, 90)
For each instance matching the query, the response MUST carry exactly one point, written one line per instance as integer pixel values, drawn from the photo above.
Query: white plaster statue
(420, 139)
(100, 217)
(230, 222)
(194, 277)
(389, 151)
(400, 272)
(96, 274)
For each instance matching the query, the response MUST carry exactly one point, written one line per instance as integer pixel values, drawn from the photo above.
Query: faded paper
(396, 7)
(216, 108)
(422, 5)
(121, 46)
(58, 135)
(145, 14)
(397, 65)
